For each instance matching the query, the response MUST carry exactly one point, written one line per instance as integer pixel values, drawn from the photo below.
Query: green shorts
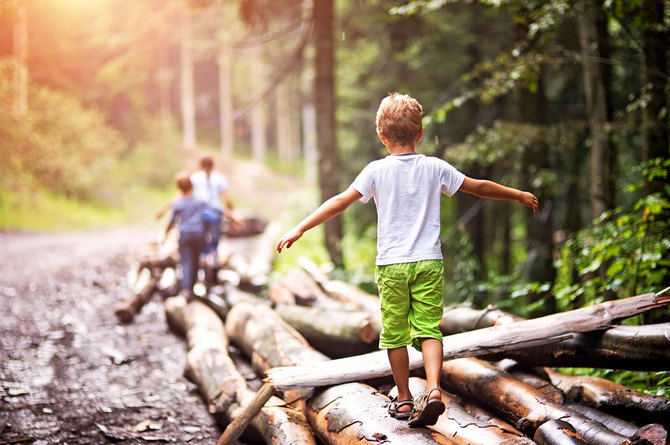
(411, 302)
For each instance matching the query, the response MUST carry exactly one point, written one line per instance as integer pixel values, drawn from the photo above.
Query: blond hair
(399, 119)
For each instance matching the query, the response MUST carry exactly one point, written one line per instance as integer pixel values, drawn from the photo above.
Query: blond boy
(406, 187)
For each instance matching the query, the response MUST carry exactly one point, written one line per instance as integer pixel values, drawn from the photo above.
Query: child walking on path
(188, 211)
(406, 187)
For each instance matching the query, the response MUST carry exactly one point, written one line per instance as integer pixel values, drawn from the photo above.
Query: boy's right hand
(528, 200)
(289, 238)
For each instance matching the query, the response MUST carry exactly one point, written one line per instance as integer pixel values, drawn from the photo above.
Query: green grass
(42, 210)
(652, 382)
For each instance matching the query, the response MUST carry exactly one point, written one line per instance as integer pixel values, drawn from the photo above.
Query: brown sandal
(426, 410)
(400, 415)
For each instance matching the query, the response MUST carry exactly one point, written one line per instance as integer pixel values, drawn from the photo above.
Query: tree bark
(144, 289)
(654, 433)
(258, 113)
(355, 413)
(612, 397)
(336, 333)
(557, 432)
(594, 44)
(656, 122)
(324, 104)
(283, 122)
(226, 121)
(462, 428)
(345, 293)
(306, 292)
(187, 86)
(221, 385)
(522, 334)
(644, 348)
(518, 402)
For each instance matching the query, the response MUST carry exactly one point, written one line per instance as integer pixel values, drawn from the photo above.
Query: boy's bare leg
(400, 367)
(431, 349)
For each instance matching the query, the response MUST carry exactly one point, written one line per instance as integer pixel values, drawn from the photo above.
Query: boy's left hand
(528, 200)
(289, 238)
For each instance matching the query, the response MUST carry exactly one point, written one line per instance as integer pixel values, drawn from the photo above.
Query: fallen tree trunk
(612, 397)
(222, 386)
(345, 292)
(335, 333)
(168, 285)
(306, 292)
(520, 403)
(342, 414)
(355, 413)
(143, 291)
(557, 432)
(653, 432)
(480, 413)
(521, 334)
(620, 347)
(462, 428)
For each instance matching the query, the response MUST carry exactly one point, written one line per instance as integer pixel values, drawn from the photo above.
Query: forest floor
(69, 372)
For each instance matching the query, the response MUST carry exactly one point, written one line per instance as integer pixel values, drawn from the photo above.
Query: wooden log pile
(313, 339)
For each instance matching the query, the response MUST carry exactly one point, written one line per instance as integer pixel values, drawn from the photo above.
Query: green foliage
(653, 383)
(58, 144)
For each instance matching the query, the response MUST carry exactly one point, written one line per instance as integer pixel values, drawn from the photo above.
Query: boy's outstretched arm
(332, 207)
(493, 190)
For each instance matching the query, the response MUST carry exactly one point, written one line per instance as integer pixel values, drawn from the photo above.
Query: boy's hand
(528, 200)
(289, 238)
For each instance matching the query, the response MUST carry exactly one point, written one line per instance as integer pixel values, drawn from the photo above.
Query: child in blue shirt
(188, 211)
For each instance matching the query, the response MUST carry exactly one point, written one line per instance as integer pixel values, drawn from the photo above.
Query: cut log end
(124, 314)
(653, 434)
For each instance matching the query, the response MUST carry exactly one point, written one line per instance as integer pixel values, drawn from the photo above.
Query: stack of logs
(301, 330)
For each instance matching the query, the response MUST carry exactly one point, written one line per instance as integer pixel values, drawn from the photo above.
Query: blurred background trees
(567, 99)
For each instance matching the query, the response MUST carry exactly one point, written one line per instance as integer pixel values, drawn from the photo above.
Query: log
(480, 413)
(222, 386)
(520, 403)
(521, 334)
(463, 318)
(355, 413)
(612, 398)
(345, 292)
(644, 348)
(251, 226)
(462, 428)
(557, 432)
(336, 333)
(549, 391)
(168, 285)
(143, 291)
(652, 432)
(306, 292)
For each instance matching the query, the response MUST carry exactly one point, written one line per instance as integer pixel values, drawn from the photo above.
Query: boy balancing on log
(409, 272)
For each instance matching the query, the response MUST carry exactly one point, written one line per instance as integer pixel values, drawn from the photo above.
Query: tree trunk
(336, 333)
(21, 50)
(258, 112)
(187, 85)
(306, 291)
(481, 414)
(283, 122)
(309, 143)
(594, 43)
(557, 432)
(645, 348)
(539, 225)
(654, 433)
(324, 104)
(226, 121)
(655, 83)
(459, 426)
(164, 78)
(612, 397)
(518, 402)
(522, 334)
(355, 413)
(145, 286)
(168, 285)
(222, 386)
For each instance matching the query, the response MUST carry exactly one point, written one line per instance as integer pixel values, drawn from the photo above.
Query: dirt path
(68, 372)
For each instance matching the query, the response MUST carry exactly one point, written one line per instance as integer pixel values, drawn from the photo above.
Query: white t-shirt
(209, 189)
(407, 191)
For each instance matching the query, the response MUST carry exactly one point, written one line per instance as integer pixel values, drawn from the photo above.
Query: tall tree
(258, 114)
(324, 107)
(187, 86)
(21, 50)
(655, 83)
(595, 49)
(226, 122)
